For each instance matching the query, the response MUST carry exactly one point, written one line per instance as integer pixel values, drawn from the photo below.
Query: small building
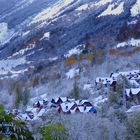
(59, 100)
(133, 94)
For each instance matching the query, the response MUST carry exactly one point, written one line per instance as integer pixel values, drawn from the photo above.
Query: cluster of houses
(61, 104)
(133, 77)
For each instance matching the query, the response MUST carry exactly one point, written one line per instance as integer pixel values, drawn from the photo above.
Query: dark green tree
(26, 96)
(17, 95)
(75, 93)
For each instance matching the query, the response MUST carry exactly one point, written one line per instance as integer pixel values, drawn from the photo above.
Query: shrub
(54, 132)
(70, 60)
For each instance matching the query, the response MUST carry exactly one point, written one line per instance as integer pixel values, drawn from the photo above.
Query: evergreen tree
(17, 131)
(17, 95)
(26, 96)
(75, 91)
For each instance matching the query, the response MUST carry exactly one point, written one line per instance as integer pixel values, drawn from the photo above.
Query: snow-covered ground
(5, 33)
(135, 10)
(98, 100)
(6, 66)
(46, 36)
(82, 7)
(131, 42)
(103, 2)
(73, 51)
(133, 109)
(72, 73)
(113, 11)
(51, 12)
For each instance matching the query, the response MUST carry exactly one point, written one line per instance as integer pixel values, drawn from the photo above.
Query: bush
(54, 132)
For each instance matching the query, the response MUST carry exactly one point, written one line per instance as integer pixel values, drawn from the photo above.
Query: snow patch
(73, 51)
(82, 7)
(52, 11)
(131, 42)
(103, 2)
(113, 11)
(135, 10)
(72, 73)
(46, 36)
(5, 33)
(53, 59)
(6, 66)
(99, 100)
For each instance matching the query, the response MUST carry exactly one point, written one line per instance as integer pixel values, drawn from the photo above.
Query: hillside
(62, 61)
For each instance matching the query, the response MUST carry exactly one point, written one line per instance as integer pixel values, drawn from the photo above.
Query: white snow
(134, 91)
(82, 7)
(25, 33)
(7, 65)
(98, 100)
(53, 59)
(23, 51)
(5, 33)
(131, 42)
(135, 10)
(113, 11)
(46, 36)
(51, 12)
(103, 2)
(73, 51)
(72, 73)
(41, 112)
(132, 22)
(87, 87)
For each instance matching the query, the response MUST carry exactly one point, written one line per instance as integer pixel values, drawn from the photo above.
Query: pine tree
(17, 95)
(25, 96)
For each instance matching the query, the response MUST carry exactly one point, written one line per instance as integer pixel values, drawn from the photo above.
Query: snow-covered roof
(127, 91)
(126, 73)
(134, 91)
(64, 99)
(83, 109)
(41, 112)
(105, 80)
(134, 83)
(66, 106)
